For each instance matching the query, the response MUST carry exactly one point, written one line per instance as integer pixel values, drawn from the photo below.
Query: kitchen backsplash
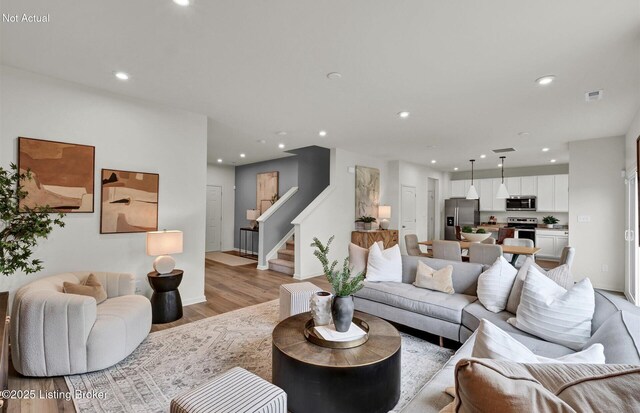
(563, 217)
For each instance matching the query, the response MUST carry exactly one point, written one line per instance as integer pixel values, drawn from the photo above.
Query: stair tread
(283, 263)
(286, 252)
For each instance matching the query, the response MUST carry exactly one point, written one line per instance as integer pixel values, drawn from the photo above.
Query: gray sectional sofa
(616, 322)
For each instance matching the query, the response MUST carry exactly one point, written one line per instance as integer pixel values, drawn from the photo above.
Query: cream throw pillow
(384, 265)
(494, 343)
(554, 314)
(494, 285)
(437, 280)
(91, 287)
(358, 257)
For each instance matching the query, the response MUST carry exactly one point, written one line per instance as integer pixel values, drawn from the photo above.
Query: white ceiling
(464, 69)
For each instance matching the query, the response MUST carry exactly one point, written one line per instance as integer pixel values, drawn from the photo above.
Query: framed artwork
(367, 191)
(266, 189)
(62, 174)
(129, 202)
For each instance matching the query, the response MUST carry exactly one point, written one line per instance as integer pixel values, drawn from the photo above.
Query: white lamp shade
(164, 242)
(472, 194)
(253, 214)
(384, 212)
(502, 192)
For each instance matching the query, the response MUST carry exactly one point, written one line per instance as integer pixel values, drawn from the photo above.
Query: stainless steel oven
(526, 227)
(521, 203)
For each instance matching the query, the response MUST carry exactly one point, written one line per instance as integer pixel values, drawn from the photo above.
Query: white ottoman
(236, 391)
(294, 298)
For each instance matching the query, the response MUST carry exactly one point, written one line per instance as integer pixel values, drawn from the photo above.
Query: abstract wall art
(267, 190)
(129, 202)
(62, 174)
(367, 191)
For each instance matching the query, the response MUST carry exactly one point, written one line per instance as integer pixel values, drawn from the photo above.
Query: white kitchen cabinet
(498, 204)
(513, 185)
(551, 243)
(528, 186)
(561, 193)
(546, 192)
(460, 188)
(485, 190)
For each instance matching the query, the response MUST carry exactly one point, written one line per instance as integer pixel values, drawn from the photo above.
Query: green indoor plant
(481, 231)
(342, 282)
(20, 229)
(467, 229)
(365, 222)
(550, 220)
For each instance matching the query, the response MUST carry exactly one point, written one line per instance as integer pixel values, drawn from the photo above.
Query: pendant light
(472, 193)
(502, 190)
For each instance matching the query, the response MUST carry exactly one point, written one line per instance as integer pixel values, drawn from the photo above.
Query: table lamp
(161, 244)
(252, 216)
(384, 213)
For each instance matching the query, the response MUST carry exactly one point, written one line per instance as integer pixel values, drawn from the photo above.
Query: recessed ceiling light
(262, 141)
(219, 160)
(455, 169)
(281, 133)
(404, 114)
(322, 133)
(483, 156)
(181, 2)
(281, 145)
(121, 75)
(553, 161)
(545, 80)
(242, 155)
(545, 149)
(524, 134)
(334, 75)
(433, 161)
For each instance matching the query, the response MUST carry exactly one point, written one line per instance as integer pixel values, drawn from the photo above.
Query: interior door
(431, 212)
(631, 285)
(408, 211)
(214, 219)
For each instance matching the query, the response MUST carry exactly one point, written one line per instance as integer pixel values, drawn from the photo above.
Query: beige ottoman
(294, 298)
(236, 391)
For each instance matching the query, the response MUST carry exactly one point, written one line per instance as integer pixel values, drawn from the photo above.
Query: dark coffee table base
(373, 388)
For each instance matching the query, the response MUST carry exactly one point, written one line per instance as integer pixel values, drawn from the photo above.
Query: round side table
(166, 304)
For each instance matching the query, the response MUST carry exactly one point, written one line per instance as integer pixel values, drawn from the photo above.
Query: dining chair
(447, 250)
(567, 256)
(505, 233)
(411, 243)
(518, 242)
(484, 253)
(490, 241)
(458, 233)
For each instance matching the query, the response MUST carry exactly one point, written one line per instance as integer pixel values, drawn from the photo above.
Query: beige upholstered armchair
(54, 333)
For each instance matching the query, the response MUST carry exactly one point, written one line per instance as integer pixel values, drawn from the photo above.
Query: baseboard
(195, 300)
(298, 277)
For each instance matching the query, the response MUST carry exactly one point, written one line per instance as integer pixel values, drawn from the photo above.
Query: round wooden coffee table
(364, 379)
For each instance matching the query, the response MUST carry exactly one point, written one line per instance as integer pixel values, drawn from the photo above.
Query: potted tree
(344, 285)
(21, 228)
(550, 220)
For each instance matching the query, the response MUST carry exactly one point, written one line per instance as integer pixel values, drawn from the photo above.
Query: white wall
(630, 142)
(597, 191)
(225, 176)
(336, 214)
(128, 134)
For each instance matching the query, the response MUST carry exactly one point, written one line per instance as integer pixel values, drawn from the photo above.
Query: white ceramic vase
(320, 304)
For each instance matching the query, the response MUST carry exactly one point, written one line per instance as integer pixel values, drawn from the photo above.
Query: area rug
(228, 259)
(171, 361)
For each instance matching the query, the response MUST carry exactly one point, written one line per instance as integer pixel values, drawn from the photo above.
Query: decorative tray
(312, 336)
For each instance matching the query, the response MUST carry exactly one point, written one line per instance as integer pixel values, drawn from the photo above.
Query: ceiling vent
(504, 150)
(593, 96)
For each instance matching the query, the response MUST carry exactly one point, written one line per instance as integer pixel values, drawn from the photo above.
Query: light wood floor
(226, 289)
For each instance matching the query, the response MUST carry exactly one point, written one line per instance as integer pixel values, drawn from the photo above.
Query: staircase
(285, 263)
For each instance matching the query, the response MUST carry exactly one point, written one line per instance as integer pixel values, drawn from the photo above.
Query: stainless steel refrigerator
(460, 211)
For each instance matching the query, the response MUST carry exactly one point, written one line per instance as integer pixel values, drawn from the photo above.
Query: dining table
(515, 250)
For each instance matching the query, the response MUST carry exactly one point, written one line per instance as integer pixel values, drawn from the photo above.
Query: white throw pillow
(494, 343)
(384, 265)
(437, 280)
(494, 285)
(358, 257)
(554, 314)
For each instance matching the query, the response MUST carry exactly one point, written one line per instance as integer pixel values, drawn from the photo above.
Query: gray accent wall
(308, 169)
